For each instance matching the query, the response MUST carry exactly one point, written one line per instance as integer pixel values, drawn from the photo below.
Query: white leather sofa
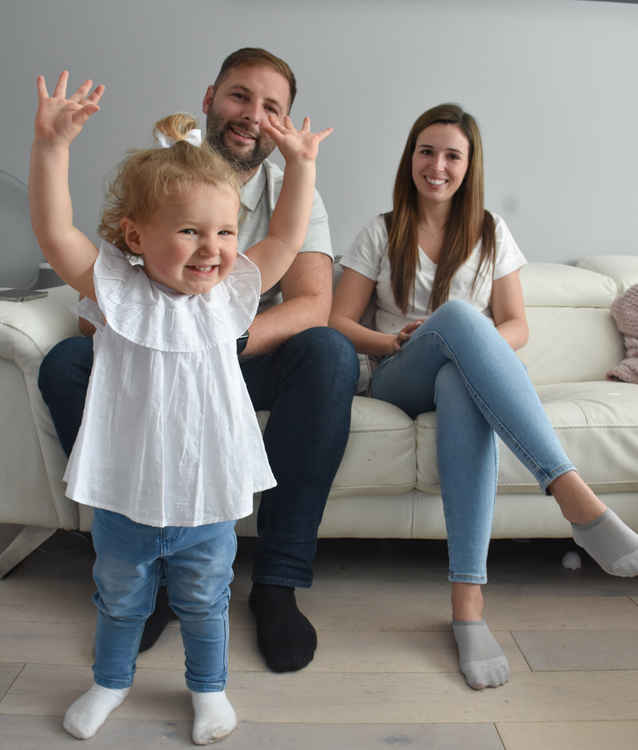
(387, 485)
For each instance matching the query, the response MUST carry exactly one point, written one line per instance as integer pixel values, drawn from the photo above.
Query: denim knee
(63, 380)
(456, 315)
(126, 589)
(67, 363)
(328, 359)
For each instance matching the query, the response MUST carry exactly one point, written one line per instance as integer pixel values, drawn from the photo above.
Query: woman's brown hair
(148, 177)
(467, 223)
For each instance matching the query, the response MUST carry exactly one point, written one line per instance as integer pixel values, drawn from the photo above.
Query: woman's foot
(481, 659)
(577, 501)
(611, 543)
(87, 714)
(595, 527)
(214, 719)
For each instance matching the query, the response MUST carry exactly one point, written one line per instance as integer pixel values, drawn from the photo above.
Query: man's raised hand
(59, 120)
(294, 144)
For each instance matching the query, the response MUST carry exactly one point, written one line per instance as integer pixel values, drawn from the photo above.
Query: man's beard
(215, 131)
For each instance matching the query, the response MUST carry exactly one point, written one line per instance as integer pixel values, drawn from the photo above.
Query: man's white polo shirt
(258, 199)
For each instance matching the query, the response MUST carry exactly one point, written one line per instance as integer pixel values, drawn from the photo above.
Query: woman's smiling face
(440, 162)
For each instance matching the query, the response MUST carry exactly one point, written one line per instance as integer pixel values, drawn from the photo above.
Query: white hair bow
(194, 137)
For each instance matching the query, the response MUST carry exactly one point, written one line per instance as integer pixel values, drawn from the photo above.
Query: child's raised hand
(293, 143)
(59, 120)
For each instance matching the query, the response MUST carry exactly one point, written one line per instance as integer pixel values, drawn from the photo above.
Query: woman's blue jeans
(197, 565)
(458, 364)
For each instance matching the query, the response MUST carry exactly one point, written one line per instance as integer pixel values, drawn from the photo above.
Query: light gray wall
(552, 84)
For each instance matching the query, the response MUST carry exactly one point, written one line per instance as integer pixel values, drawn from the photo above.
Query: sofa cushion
(558, 285)
(570, 344)
(380, 454)
(597, 424)
(623, 269)
(567, 309)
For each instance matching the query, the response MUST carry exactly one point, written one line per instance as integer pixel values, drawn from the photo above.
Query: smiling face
(190, 243)
(235, 109)
(439, 162)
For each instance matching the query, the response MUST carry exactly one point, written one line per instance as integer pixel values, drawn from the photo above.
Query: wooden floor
(385, 673)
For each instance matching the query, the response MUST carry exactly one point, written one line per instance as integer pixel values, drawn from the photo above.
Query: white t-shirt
(369, 256)
(169, 436)
(258, 199)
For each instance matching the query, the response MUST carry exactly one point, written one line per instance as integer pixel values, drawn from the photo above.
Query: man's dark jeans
(308, 385)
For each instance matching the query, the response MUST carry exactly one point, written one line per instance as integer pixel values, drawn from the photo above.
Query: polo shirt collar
(252, 191)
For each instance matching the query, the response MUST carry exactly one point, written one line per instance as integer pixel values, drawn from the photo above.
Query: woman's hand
(59, 120)
(302, 145)
(405, 333)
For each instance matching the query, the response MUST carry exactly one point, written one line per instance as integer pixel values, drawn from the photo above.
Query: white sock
(87, 714)
(481, 659)
(214, 719)
(610, 542)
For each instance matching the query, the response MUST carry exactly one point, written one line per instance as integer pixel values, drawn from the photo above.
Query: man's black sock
(286, 638)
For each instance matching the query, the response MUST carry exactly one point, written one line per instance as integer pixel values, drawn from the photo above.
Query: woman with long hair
(449, 315)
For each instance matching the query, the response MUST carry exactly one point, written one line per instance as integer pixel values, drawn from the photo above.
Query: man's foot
(285, 637)
(158, 621)
(87, 714)
(481, 659)
(612, 544)
(214, 719)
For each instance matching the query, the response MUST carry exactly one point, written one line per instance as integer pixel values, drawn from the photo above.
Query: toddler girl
(169, 453)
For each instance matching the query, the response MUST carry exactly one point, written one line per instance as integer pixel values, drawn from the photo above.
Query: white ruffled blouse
(169, 436)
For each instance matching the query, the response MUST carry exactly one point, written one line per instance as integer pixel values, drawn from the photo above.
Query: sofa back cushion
(572, 336)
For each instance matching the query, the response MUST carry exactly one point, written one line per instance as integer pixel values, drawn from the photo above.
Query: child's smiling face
(190, 243)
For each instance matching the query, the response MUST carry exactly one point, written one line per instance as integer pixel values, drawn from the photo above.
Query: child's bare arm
(58, 121)
(289, 222)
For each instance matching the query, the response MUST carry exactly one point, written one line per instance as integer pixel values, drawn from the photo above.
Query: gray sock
(610, 542)
(481, 659)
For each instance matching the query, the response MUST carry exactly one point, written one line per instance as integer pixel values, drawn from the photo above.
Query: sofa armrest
(29, 329)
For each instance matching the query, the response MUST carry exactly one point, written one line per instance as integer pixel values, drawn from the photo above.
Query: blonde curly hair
(147, 177)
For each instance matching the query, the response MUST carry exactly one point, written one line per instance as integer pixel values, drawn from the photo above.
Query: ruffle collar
(155, 317)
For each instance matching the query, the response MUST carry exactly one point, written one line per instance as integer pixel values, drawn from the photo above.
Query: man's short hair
(258, 56)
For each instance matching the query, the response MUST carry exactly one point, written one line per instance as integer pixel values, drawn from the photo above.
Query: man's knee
(67, 364)
(328, 356)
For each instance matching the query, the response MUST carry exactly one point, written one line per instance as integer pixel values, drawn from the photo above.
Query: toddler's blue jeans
(307, 383)
(197, 565)
(458, 364)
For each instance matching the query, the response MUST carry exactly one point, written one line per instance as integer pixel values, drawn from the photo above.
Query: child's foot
(215, 718)
(285, 636)
(612, 544)
(87, 714)
(481, 659)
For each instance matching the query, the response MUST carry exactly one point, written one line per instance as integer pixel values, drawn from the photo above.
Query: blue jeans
(307, 384)
(458, 364)
(197, 566)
